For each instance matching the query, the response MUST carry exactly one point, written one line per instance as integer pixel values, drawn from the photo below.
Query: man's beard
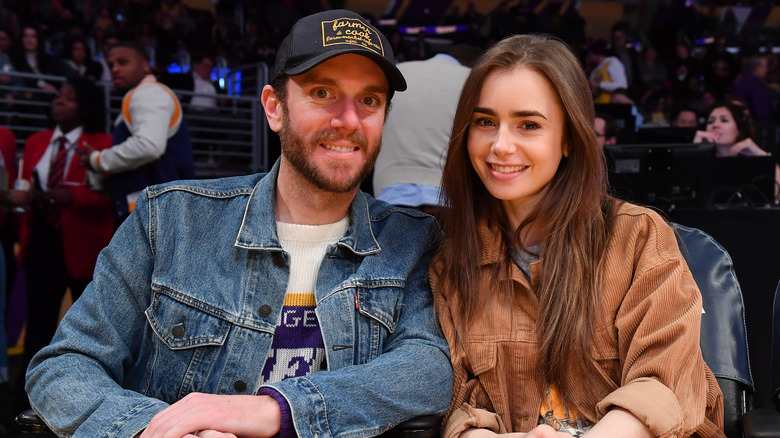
(298, 153)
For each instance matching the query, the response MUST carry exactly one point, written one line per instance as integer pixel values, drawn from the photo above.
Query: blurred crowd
(686, 54)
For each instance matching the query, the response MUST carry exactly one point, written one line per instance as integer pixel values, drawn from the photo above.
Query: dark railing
(229, 139)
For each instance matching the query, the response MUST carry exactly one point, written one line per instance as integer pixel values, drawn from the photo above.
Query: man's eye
(321, 93)
(370, 101)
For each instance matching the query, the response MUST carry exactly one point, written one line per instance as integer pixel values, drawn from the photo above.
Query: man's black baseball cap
(318, 37)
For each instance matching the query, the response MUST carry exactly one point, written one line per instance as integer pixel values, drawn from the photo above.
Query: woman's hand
(541, 431)
(706, 137)
(747, 147)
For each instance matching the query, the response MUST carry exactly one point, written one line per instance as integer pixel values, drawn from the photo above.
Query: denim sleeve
(411, 377)
(76, 383)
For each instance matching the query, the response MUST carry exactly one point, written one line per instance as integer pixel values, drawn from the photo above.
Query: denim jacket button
(239, 385)
(178, 331)
(264, 310)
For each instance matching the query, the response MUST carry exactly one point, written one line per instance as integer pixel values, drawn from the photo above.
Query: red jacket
(87, 223)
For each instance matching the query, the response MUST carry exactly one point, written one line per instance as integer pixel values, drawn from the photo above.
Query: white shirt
(203, 86)
(43, 165)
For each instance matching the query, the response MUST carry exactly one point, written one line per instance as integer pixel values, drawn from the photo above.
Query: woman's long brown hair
(573, 215)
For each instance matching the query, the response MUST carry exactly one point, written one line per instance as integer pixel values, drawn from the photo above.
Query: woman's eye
(482, 121)
(529, 126)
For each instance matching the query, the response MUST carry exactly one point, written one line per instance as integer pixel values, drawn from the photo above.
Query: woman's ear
(566, 150)
(273, 108)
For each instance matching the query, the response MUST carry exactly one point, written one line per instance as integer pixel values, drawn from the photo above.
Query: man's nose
(347, 116)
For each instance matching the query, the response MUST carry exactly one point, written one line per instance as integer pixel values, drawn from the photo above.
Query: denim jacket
(187, 295)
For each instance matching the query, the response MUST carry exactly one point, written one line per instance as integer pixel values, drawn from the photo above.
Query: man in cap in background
(289, 303)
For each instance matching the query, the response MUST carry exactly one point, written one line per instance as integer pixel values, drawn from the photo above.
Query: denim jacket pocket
(378, 310)
(188, 335)
(183, 325)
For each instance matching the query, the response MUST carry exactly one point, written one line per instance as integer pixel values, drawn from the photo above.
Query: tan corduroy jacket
(647, 352)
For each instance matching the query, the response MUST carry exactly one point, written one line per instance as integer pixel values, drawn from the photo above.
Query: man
(289, 303)
(151, 142)
(408, 170)
(608, 73)
(751, 87)
(606, 129)
(685, 118)
(201, 83)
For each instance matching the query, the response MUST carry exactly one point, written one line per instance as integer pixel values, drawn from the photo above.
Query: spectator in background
(620, 96)
(8, 226)
(685, 117)
(730, 127)
(751, 87)
(29, 56)
(623, 50)
(77, 60)
(720, 66)
(606, 129)
(67, 223)
(408, 168)
(682, 69)
(106, 42)
(608, 73)
(202, 66)
(652, 72)
(151, 142)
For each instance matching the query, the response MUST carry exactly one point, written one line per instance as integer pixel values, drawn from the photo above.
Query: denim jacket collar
(258, 227)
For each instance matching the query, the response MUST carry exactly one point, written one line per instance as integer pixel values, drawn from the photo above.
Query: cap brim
(394, 76)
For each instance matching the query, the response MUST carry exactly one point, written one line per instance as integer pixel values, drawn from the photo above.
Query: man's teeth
(507, 169)
(338, 149)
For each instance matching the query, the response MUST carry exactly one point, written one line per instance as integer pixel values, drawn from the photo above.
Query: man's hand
(59, 196)
(87, 153)
(217, 416)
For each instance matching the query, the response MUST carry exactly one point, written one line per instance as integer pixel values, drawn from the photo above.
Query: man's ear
(273, 108)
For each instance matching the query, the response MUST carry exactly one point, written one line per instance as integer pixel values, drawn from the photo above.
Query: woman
(77, 60)
(29, 56)
(67, 223)
(562, 305)
(729, 126)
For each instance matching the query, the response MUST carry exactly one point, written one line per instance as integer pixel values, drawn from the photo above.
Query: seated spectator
(67, 223)
(606, 129)
(265, 305)
(77, 60)
(8, 225)
(685, 118)
(567, 311)
(608, 73)
(652, 70)
(29, 56)
(730, 127)
(202, 66)
(6, 45)
(751, 87)
(621, 96)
